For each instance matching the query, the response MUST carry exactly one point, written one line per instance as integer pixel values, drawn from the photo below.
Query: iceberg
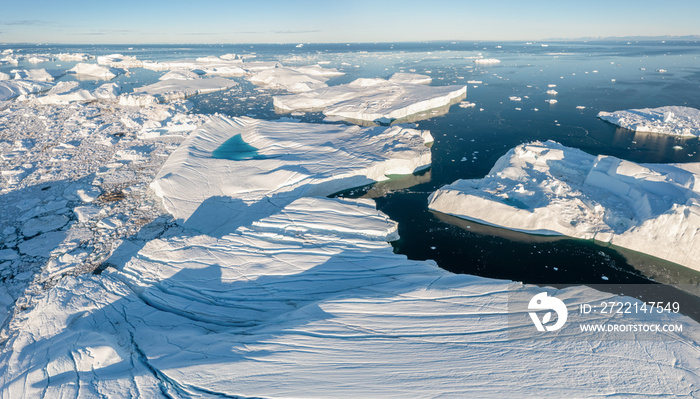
(93, 71)
(274, 163)
(174, 89)
(412, 78)
(672, 120)
(368, 100)
(487, 61)
(119, 61)
(73, 56)
(10, 89)
(66, 92)
(312, 302)
(41, 75)
(288, 79)
(547, 188)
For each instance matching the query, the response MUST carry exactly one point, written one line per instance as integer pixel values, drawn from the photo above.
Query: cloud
(26, 22)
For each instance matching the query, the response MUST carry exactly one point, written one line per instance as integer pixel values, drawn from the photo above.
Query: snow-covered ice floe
(370, 100)
(673, 120)
(233, 171)
(295, 80)
(547, 188)
(312, 302)
(174, 89)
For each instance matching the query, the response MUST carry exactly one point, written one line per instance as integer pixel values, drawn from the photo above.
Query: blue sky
(272, 21)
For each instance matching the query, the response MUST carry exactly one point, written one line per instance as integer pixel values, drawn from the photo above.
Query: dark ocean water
(600, 76)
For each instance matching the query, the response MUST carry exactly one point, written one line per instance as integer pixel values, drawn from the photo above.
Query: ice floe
(275, 163)
(369, 100)
(673, 120)
(547, 188)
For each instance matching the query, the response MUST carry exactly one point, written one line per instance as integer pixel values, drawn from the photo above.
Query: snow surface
(369, 100)
(299, 304)
(673, 120)
(292, 160)
(547, 188)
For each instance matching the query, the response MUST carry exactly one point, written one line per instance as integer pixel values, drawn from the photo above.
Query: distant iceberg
(487, 61)
(547, 188)
(673, 120)
(370, 100)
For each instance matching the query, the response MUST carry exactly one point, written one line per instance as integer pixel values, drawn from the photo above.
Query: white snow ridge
(673, 120)
(547, 188)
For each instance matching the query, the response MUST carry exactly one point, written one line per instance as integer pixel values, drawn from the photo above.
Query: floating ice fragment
(672, 120)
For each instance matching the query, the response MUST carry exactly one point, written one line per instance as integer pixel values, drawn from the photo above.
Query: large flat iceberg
(174, 89)
(234, 171)
(547, 188)
(312, 302)
(370, 100)
(673, 120)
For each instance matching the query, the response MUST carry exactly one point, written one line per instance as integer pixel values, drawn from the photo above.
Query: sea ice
(276, 162)
(673, 120)
(367, 100)
(547, 188)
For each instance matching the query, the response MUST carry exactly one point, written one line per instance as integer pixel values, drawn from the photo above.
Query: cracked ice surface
(547, 188)
(673, 120)
(292, 160)
(298, 305)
